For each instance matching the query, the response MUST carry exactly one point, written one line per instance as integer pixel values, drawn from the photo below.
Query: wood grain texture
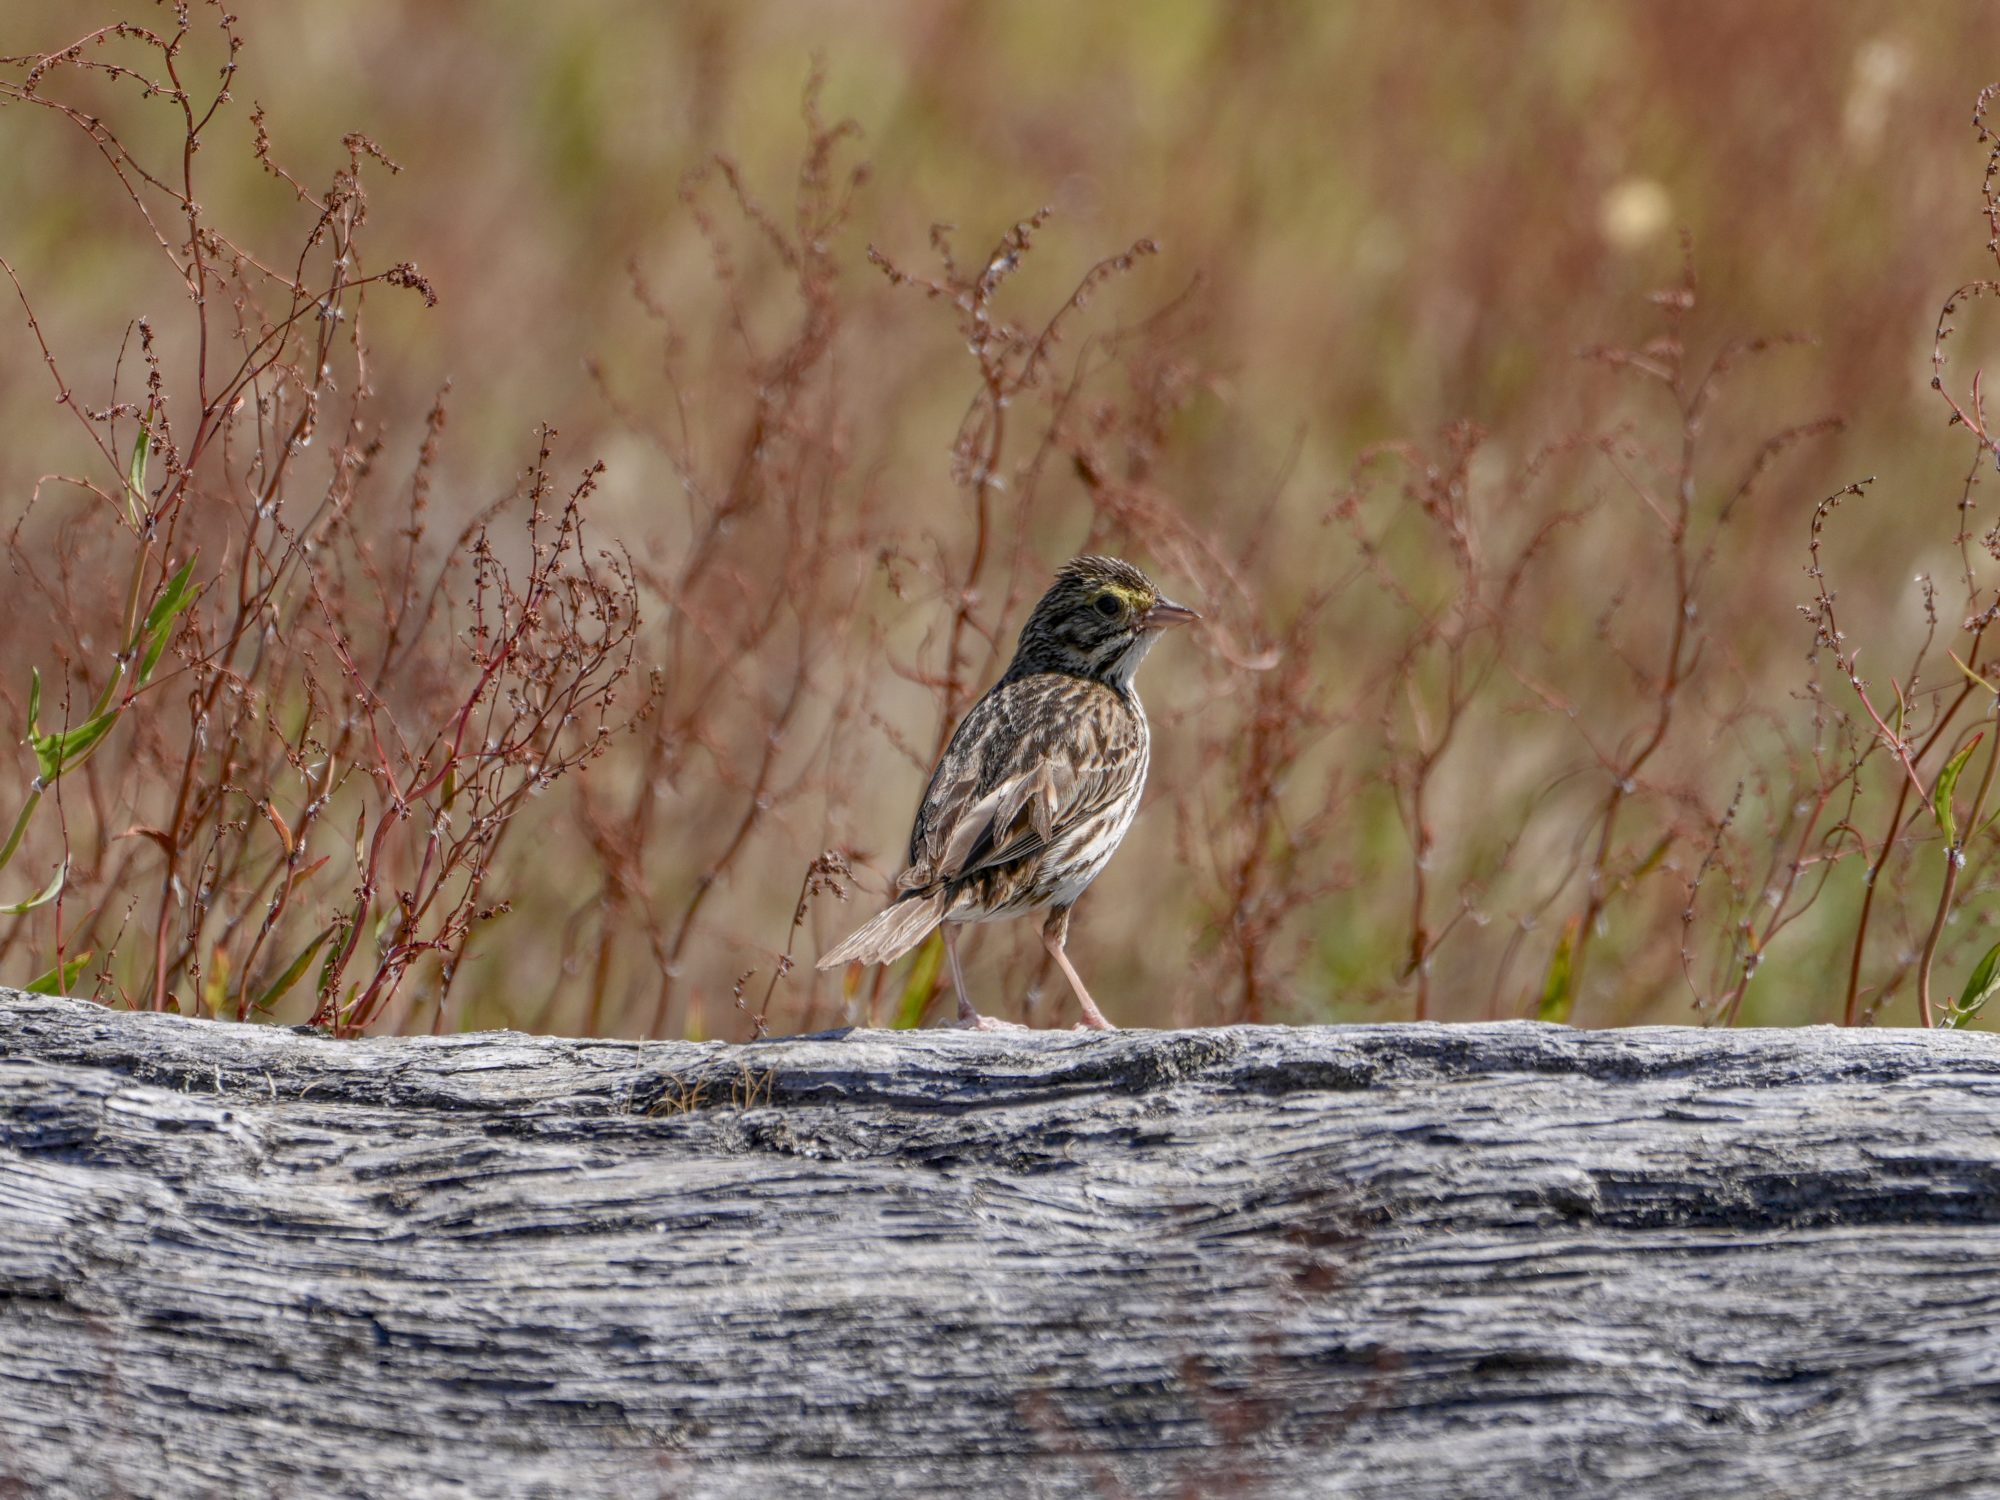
(1508, 1260)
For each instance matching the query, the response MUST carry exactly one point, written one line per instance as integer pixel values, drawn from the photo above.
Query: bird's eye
(1107, 605)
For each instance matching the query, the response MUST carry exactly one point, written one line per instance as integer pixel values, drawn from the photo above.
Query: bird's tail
(888, 937)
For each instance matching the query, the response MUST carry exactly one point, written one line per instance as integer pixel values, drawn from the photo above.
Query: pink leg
(1055, 932)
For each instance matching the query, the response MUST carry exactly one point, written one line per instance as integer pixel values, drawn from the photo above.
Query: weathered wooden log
(1506, 1260)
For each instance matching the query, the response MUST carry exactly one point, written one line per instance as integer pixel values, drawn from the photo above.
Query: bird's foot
(977, 1022)
(1093, 1028)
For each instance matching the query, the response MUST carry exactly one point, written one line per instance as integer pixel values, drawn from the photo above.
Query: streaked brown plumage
(1040, 780)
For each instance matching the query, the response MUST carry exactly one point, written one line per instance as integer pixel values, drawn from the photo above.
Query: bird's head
(1098, 619)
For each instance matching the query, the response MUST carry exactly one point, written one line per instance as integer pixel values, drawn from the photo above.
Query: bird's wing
(1024, 766)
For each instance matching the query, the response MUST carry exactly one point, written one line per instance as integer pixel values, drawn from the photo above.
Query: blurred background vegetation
(1382, 774)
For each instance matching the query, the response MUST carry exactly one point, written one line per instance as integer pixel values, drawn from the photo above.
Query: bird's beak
(1165, 612)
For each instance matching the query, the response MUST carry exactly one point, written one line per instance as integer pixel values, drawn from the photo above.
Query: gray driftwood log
(1507, 1260)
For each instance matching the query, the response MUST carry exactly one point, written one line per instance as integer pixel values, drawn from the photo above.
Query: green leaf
(135, 476)
(173, 599)
(1947, 782)
(62, 751)
(1558, 994)
(47, 894)
(294, 971)
(158, 629)
(57, 753)
(922, 982)
(59, 980)
(1979, 988)
(48, 757)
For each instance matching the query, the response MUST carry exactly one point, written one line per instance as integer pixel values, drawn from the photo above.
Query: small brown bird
(1040, 780)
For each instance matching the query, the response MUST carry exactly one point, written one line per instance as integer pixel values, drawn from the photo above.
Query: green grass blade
(1558, 992)
(294, 971)
(922, 983)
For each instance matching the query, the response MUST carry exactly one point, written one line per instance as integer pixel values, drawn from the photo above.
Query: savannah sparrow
(1039, 782)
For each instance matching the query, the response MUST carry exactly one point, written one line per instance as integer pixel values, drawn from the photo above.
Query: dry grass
(1532, 683)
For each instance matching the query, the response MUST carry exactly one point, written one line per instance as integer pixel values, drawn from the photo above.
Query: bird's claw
(986, 1023)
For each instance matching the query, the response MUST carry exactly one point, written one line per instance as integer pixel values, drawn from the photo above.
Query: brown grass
(349, 713)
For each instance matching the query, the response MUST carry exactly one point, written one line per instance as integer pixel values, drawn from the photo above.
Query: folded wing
(983, 810)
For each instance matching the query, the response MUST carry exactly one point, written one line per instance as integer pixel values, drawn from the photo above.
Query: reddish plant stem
(1850, 1015)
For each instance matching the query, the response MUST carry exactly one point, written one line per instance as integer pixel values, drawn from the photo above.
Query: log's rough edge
(1496, 1260)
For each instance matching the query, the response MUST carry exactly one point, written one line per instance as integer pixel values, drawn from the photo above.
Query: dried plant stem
(1850, 1011)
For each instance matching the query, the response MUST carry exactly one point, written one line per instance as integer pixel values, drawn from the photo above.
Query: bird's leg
(969, 1018)
(1055, 932)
